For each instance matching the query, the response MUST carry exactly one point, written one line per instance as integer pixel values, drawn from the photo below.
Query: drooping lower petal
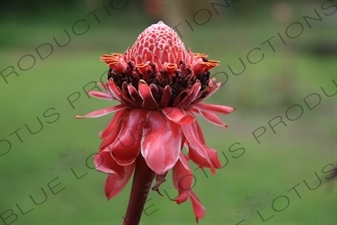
(202, 162)
(193, 141)
(182, 179)
(197, 158)
(199, 133)
(198, 208)
(106, 164)
(161, 142)
(118, 176)
(126, 146)
(113, 125)
(198, 151)
(183, 182)
(111, 136)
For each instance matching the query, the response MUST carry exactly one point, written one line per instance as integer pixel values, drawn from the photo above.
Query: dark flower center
(180, 80)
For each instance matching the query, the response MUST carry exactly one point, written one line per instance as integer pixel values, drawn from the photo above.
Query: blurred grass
(263, 91)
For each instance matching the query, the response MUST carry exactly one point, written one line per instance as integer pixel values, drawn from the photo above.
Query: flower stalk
(139, 191)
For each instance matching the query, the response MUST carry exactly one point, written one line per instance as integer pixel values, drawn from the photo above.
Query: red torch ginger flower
(160, 86)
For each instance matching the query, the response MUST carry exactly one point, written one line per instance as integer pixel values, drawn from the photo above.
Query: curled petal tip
(79, 117)
(141, 81)
(200, 55)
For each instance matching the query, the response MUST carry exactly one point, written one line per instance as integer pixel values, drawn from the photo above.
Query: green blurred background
(260, 177)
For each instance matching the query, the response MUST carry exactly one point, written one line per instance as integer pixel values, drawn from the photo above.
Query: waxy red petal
(118, 175)
(102, 112)
(145, 93)
(187, 100)
(114, 185)
(104, 86)
(200, 135)
(154, 90)
(101, 95)
(111, 137)
(125, 90)
(201, 161)
(212, 88)
(161, 142)
(126, 146)
(106, 164)
(113, 125)
(213, 118)
(198, 150)
(214, 108)
(134, 94)
(182, 197)
(198, 208)
(180, 97)
(182, 179)
(198, 159)
(112, 89)
(178, 115)
(119, 95)
(165, 99)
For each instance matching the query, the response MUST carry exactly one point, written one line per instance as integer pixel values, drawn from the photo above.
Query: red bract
(160, 86)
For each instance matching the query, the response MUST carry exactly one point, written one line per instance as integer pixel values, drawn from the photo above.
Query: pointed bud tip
(225, 126)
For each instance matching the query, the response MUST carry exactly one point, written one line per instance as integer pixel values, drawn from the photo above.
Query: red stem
(143, 176)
